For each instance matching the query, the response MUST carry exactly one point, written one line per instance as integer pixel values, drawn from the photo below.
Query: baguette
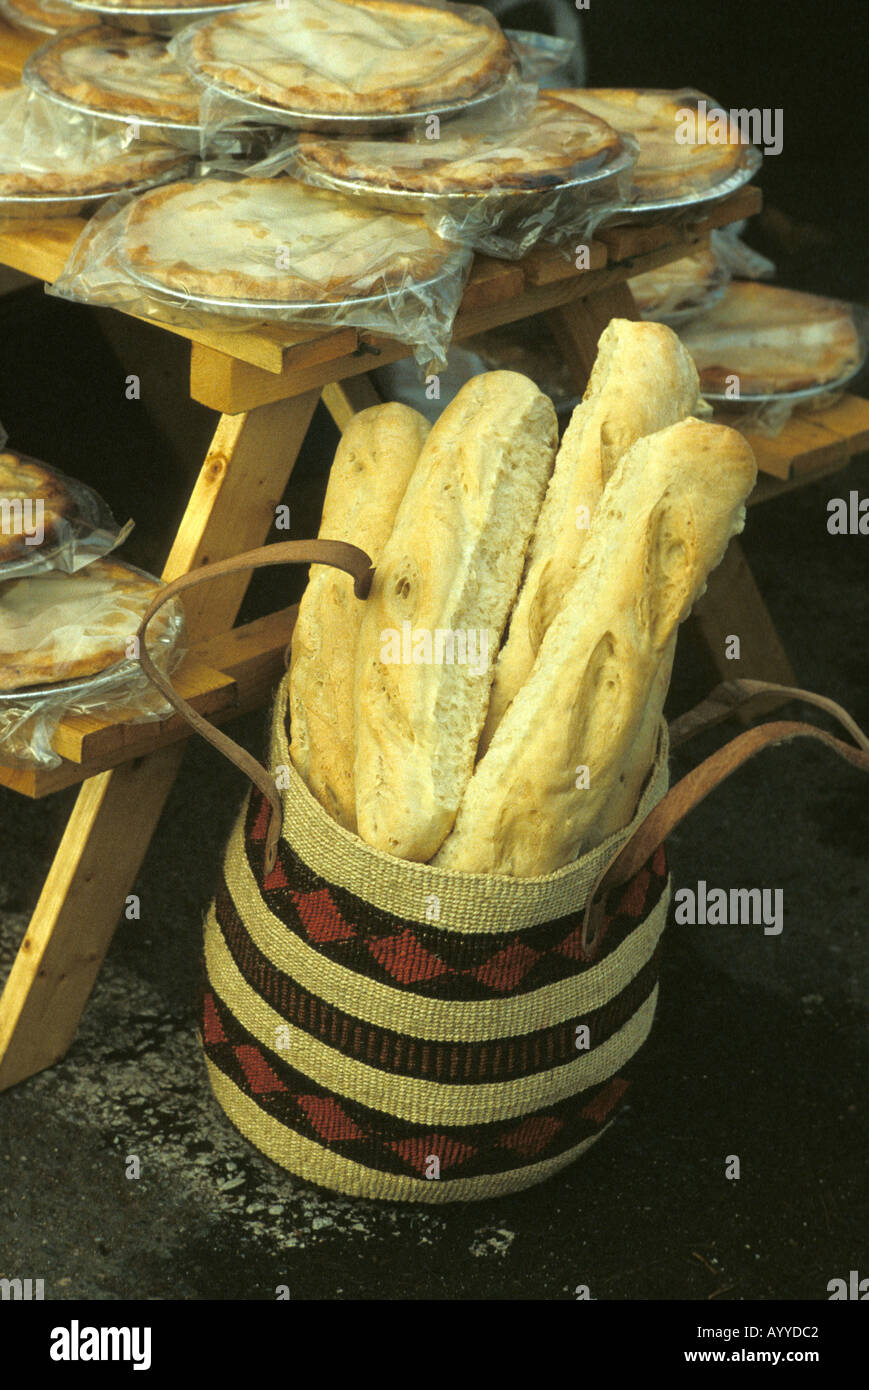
(373, 464)
(666, 518)
(642, 380)
(451, 567)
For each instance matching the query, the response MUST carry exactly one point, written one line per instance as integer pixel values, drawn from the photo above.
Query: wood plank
(577, 327)
(767, 488)
(848, 418)
(344, 399)
(16, 47)
(491, 282)
(546, 265)
(635, 239)
(89, 738)
(804, 444)
(241, 482)
(230, 386)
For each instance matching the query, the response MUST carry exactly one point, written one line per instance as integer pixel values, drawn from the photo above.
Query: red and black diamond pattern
(452, 1063)
(381, 1141)
(421, 957)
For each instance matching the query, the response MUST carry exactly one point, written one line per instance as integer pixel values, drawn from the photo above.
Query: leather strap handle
(697, 784)
(339, 554)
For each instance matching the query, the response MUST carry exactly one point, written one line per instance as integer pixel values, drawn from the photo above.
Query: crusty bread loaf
(642, 380)
(373, 464)
(451, 566)
(664, 522)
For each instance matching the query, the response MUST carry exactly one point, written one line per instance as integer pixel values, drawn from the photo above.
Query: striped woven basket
(396, 1030)
(399, 1031)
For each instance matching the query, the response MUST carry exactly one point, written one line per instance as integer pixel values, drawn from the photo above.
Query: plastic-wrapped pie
(667, 167)
(539, 148)
(33, 503)
(60, 627)
(275, 240)
(351, 57)
(678, 286)
(774, 340)
(116, 74)
(41, 16)
(45, 149)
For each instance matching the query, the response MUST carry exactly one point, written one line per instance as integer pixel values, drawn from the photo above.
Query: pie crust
(60, 627)
(549, 145)
(665, 168)
(774, 340)
(353, 57)
(275, 239)
(71, 161)
(26, 480)
(677, 285)
(41, 16)
(121, 74)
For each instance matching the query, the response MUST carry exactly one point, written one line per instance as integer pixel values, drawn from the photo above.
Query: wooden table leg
(732, 607)
(344, 399)
(576, 327)
(231, 509)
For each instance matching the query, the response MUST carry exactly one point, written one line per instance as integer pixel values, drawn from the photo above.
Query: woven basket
(399, 1031)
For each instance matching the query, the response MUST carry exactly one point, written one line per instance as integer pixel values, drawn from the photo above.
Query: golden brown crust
(774, 340)
(431, 56)
(42, 17)
(552, 144)
(34, 667)
(666, 168)
(122, 74)
(26, 480)
(178, 235)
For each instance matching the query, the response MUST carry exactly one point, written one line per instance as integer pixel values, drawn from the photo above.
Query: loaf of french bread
(567, 745)
(373, 464)
(642, 381)
(438, 605)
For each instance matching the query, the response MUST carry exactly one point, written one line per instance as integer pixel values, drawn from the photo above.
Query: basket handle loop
(723, 701)
(342, 556)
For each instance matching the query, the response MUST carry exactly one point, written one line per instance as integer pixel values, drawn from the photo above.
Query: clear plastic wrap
(344, 66)
(682, 162)
(49, 521)
(164, 17)
(541, 57)
(499, 181)
(231, 253)
(678, 291)
(40, 16)
(116, 77)
(68, 646)
(58, 161)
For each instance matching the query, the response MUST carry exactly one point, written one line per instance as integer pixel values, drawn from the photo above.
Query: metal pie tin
(507, 200)
(771, 397)
(85, 685)
(274, 308)
(748, 167)
(33, 205)
(37, 83)
(373, 123)
(149, 19)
